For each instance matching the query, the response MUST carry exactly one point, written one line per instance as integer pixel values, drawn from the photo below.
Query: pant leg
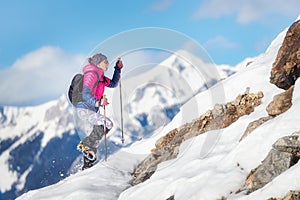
(96, 135)
(98, 130)
(98, 119)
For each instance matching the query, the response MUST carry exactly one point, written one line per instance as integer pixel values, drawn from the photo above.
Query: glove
(119, 64)
(102, 102)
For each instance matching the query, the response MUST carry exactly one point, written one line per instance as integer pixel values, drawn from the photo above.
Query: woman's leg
(97, 133)
(98, 119)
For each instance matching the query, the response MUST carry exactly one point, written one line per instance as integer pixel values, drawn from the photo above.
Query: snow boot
(87, 163)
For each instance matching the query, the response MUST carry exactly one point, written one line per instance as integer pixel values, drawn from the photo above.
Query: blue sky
(230, 30)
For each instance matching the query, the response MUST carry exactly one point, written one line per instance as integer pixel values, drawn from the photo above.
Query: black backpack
(75, 89)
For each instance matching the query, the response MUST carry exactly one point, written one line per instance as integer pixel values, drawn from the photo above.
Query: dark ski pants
(95, 136)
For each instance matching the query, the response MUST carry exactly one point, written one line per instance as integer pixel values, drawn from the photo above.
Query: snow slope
(208, 166)
(223, 168)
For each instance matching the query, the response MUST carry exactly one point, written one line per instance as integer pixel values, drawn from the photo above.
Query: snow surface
(209, 166)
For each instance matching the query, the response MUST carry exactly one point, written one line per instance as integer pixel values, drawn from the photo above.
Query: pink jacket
(90, 94)
(90, 79)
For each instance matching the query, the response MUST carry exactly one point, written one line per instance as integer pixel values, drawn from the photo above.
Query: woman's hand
(119, 64)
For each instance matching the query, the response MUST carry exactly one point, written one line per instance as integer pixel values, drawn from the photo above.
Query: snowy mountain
(221, 172)
(37, 144)
(32, 140)
(152, 98)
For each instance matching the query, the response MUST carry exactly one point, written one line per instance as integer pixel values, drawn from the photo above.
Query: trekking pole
(104, 128)
(121, 104)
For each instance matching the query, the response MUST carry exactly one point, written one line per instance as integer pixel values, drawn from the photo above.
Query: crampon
(89, 154)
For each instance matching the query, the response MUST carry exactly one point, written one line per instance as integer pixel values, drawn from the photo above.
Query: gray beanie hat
(97, 58)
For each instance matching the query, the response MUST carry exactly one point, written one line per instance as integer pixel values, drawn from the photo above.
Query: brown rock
(291, 195)
(253, 125)
(286, 68)
(220, 117)
(281, 102)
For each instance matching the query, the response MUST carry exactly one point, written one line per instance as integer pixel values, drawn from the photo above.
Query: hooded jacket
(90, 94)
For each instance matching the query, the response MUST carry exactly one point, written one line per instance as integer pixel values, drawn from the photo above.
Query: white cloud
(247, 10)
(47, 72)
(220, 42)
(43, 73)
(161, 5)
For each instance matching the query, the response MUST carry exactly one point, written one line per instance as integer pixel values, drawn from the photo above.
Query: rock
(218, 111)
(253, 125)
(286, 68)
(291, 195)
(220, 117)
(273, 165)
(171, 198)
(281, 102)
(289, 144)
(283, 155)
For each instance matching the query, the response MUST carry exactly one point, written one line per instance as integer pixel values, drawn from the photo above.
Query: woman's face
(103, 65)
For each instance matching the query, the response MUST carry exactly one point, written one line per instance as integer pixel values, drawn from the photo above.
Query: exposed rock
(286, 68)
(171, 198)
(220, 117)
(253, 125)
(273, 165)
(281, 102)
(285, 153)
(291, 195)
(289, 144)
(224, 115)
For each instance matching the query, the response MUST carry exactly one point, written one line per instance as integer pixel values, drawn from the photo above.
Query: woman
(94, 83)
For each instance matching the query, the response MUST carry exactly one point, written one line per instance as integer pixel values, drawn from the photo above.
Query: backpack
(75, 89)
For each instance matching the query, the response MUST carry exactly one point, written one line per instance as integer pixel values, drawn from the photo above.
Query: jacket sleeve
(115, 79)
(88, 84)
(87, 96)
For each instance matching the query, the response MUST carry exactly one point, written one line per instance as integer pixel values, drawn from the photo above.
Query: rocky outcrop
(220, 117)
(281, 102)
(291, 195)
(289, 144)
(284, 73)
(286, 68)
(285, 153)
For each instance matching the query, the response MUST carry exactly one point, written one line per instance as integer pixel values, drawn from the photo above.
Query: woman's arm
(115, 79)
(116, 76)
(87, 95)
